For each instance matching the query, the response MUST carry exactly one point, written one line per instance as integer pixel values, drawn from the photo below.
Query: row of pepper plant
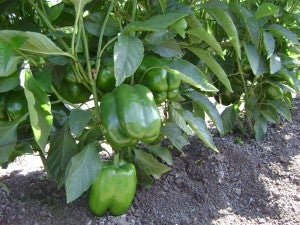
(77, 76)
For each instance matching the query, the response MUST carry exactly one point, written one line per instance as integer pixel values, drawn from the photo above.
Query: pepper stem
(116, 160)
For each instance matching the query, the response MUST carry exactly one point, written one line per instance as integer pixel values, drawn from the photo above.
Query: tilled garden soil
(246, 183)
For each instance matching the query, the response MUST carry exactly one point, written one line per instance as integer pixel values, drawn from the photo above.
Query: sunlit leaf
(225, 21)
(8, 138)
(62, 148)
(128, 55)
(82, 171)
(260, 128)
(162, 152)
(198, 125)
(269, 43)
(266, 9)
(39, 108)
(213, 65)
(155, 23)
(275, 63)
(175, 135)
(257, 62)
(189, 73)
(279, 31)
(149, 164)
(201, 100)
(78, 119)
(210, 39)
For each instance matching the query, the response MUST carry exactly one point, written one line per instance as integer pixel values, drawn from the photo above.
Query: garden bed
(248, 182)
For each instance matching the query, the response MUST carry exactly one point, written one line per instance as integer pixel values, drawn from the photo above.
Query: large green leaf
(31, 42)
(144, 179)
(201, 100)
(189, 73)
(290, 77)
(8, 138)
(62, 148)
(229, 117)
(128, 55)
(159, 37)
(44, 77)
(56, 10)
(175, 6)
(213, 65)
(257, 62)
(175, 135)
(176, 116)
(270, 114)
(279, 31)
(198, 125)
(149, 164)
(82, 171)
(209, 38)
(167, 49)
(275, 63)
(266, 9)
(282, 108)
(93, 24)
(179, 27)
(10, 82)
(225, 21)
(39, 108)
(162, 153)
(155, 23)
(78, 119)
(260, 128)
(8, 61)
(269, 43)
(251, 24)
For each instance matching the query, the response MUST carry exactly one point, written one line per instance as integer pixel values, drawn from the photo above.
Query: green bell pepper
(16, 104)
(162, 84)
(106, 80)
(74, 93)
(113, 189)
(71, 90)
(129, 114)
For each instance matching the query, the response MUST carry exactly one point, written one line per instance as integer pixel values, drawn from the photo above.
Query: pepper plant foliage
(64, 58)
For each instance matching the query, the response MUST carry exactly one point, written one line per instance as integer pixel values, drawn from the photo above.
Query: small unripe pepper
(162, 84)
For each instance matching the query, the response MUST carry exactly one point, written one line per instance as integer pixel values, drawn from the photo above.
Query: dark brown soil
(247, 183)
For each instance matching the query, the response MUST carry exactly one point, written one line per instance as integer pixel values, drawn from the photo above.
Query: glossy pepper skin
(114, 188)
(106, 78)
(71, 90)
(129, 114)
(163, 84)
(16, 104)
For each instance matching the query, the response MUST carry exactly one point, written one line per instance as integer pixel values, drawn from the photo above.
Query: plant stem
(48, 24)
(89, 69)
(75, 31)
(116, 160)
(61, 99)
(44, 161)
(240, 72)
(98, 56)
(133, 12)
(42, 6)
